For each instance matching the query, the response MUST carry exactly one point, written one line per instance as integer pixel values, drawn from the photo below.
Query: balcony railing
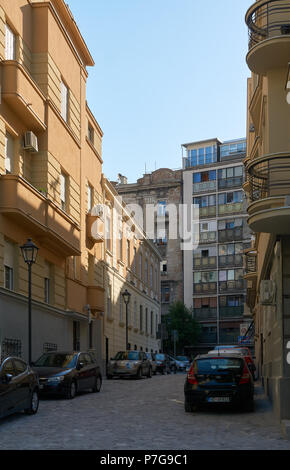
(229, 338)
(204, 314)
(227, 183)
(231, 260)
(231, 286)
(268, 19)
(207, 237)
(231, 234)
(209, 211)
(205, 287)
(231, 312)
(230, 208)
(204, 186)
(207, 262)
(269, 176)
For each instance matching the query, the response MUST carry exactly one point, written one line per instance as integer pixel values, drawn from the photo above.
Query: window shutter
(9, 152)
(64, 101)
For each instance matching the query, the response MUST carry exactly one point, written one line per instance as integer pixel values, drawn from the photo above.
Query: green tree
(180, 318)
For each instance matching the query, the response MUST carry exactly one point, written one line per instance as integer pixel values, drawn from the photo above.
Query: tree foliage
(180, 319)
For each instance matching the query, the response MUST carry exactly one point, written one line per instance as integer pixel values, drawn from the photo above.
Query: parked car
(129, 363)
(19, 387)
(151, 358)
(184, 362)
(219, 379)
(172, 364)
(220, 346)
(67, 373)
(163, 363)
(245, 352)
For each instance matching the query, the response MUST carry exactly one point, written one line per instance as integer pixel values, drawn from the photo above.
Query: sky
(166, 72)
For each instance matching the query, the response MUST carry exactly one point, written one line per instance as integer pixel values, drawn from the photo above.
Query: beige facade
(268, 191)
(50, 181)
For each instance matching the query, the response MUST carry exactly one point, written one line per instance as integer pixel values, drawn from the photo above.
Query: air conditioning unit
(30, 142)
(267, 292)
(98, 210)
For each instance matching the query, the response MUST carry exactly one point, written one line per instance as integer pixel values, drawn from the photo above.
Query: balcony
(230, 260)
(269, 194)
(229, 337)
(46, 222)
(209, 211)
(206, 262)
(95, 228)
(227, 183)
(206, 186)
(231, 234)
(23, 96)
(205, 288)
(207, 237)
(232, 208)
(231, 286)
(204, 314)
(231, 312)
(268, 22)
(95, 296)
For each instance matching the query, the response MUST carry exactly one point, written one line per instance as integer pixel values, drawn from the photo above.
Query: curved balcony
(269, 209)
(269, 35)
(250, 264)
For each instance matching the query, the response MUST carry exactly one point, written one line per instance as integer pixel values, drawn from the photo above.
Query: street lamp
(29, 252)
(126, 297)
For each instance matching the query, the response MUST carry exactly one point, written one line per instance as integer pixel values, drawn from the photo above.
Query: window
(108, 233)
(46, 290)
(76, 335)
(151, 323)
(120, 245)
(140, 265)
(161, 208)
(146, 271)
(165, 294)
(128, 252)
(63, 191)
(91, 134)
(9, 44)
(134, 260)
(109, 304)
(163, 266)
(90, 197)
(9, 265)
(64, 101)
(146, 320)
(9, 153)
(141, 317)
(151, 276)
(135, 314)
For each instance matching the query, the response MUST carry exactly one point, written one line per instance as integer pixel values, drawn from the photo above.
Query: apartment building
(131, 263)
(268, 191)
(52, 190)
(214, 286)
(160, 192)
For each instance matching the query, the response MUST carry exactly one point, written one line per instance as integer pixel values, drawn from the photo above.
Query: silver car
(129, 363)
(152, 360)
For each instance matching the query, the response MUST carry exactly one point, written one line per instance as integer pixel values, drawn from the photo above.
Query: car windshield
(65, 361)
(127, 356)
(181, 358)
(148, 356)
(160, 357)
(207, 366)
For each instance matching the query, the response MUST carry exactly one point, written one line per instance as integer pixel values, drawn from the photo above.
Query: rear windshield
(127, 356)
(161, 357)
(205, 366)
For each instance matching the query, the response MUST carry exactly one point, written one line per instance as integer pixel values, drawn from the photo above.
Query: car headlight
(55, 379)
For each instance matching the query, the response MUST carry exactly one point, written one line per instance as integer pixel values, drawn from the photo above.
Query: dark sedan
(67, 373)
(221, 379)
(19, 387)
(162, 363)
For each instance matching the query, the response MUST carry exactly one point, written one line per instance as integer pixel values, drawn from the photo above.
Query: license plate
(219, 399)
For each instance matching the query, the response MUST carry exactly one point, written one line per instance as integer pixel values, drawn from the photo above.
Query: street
(146, 414)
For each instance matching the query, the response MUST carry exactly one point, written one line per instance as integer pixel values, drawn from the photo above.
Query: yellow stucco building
(52, 190)
(268, 190)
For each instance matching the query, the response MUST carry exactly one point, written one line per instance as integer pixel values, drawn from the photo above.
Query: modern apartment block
(163, 190)
(52, 190)
(214, 286)
(268, 191)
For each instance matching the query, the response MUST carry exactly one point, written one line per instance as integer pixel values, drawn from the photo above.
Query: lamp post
(29, 252)
(126, 297)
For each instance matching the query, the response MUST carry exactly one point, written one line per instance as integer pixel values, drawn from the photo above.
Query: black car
(67, 373)
(19, 387)
(162, 363)
(221, 379)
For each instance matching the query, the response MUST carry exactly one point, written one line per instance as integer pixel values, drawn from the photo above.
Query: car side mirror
(80, 365)
(6, 378)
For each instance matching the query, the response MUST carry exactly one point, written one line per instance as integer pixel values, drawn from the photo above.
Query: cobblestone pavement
(146, 414)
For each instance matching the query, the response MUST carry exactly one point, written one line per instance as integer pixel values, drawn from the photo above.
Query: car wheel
(189, 408)
(175, 370)
(139, 374)
(34, 403)
(98, 384)
(71, 390)
(149, 373)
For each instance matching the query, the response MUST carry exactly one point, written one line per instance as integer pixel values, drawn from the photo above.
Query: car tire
(189, 408)
(33, 404)
(71, 390)
(139, 374)
(98, 384)
(149, 373)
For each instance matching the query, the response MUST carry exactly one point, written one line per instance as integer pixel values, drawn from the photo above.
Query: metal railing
(233, 234)
(231, 260)
(231, 312)
(204, 314)
(269, 176)
(267, 19)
